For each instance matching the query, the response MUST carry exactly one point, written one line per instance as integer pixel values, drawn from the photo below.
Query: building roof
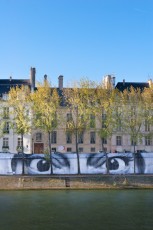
(6, 84)
(121, 86)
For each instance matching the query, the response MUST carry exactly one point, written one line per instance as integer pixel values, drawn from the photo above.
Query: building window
(5, 96)
(69, 117)
(92, 149)
(5, 142)
(6, 127)
(69, 149)
(69, 120)
(103, 120)
(27, 112)
(119, 125)
(92, 138)
(80, 138)
(54, 121)
(104, 141)
(80, 149)
(19, 145)
(38, 137)
(53, 137)
(147, 126)
(68, 138)
(118, 140)
(133, 111)
(5, 112)
(147, 141)
(92, 121)
(133, 142)
(19, 141)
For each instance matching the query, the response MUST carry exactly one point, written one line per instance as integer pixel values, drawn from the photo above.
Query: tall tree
(108, 114)
(46, 103)
(133, 115)
(79, 100)
(107, 111)
(20, 113)
(147, 95)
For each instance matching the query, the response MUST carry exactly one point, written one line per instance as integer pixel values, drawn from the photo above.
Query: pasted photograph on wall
(67, 163)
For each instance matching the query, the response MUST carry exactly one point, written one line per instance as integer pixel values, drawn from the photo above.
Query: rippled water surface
(76, 210)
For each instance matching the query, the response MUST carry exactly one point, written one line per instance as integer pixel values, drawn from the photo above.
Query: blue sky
(77, 38)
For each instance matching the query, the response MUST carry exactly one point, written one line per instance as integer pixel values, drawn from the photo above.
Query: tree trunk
(77, 152)
(50, 151)
(107, 164)
(134, 157)
(76, 140)
(103, 149)
(22, 154)
(102, 145)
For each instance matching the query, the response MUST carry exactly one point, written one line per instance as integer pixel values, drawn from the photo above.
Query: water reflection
(65, 210)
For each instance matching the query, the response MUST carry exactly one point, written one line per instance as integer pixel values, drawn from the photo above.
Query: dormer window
(6, 127)
(6, 112)
(5, 96)
(38, 137)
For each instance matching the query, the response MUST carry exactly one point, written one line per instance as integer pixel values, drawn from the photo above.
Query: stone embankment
(76, 182)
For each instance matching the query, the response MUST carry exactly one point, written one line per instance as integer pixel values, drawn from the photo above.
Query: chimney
(113, 82)
(10, 78)
(32, 78)
(45, 77)
(123, 81)
(60, 82)
(150, 82)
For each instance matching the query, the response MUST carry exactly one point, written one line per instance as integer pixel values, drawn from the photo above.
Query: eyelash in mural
(17, 159)
(140, 163)
(96, 161)
(60, 161)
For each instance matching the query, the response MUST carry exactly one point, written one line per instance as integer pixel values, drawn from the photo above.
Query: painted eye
(116, 163)
(39, 166)
(43, 165)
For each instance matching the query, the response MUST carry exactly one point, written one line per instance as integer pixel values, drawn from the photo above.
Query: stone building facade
(37, 141)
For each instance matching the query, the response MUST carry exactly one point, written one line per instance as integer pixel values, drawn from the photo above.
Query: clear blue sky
(77, 38)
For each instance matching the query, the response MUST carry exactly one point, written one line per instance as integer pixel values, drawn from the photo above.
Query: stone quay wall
(76, 182)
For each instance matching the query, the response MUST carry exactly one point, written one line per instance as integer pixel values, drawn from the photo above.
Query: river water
(76, 210)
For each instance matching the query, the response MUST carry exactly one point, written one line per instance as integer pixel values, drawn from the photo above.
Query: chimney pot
(32, 78)
(45, 77)
(60, 82)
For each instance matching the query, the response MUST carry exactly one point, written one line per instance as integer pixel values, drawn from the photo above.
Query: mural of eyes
(37, 164)
(16, 164)
(59, 160)
(64, 163)
(96, 163)
(118, 163)
(95, 160)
